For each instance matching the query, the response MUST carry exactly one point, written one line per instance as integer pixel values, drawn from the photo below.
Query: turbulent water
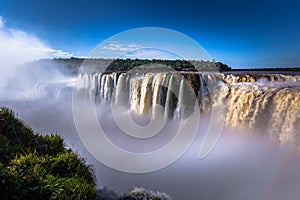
(264, 103)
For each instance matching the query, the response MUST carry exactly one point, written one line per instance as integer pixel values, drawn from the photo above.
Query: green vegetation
(93, 65)
(33, 166)
(134, 194)
(123, 65)
(141, 194)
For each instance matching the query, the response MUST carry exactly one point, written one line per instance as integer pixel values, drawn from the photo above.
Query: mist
(21, 79)
(241, 166)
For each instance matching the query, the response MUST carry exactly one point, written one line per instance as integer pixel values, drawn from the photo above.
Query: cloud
(151, 53)
(1, 22)
(117, 46)
(18, 47)
(132, 51)
(22, 81)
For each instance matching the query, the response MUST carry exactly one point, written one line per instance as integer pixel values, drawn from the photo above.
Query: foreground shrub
(52, 144)
(68, 188)
(134, 194)
(33, 166)
(143, 194)
(9, 184)
(68, 164)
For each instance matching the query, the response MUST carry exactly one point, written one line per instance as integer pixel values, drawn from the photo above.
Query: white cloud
(123, 50)
(1, 22)
(151, 53)
(117, 46)
(18, 47)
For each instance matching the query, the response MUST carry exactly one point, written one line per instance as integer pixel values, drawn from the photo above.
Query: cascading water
(266, 102)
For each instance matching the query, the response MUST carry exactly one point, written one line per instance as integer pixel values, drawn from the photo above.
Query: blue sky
(239, 33)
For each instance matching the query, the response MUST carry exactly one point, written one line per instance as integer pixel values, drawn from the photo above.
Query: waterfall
(135, 93)
(157, 87)
(273, 109)
(146, 94)
(266, 102)
(122, 90)
(180, 103)
(172, 93)
(203, 95)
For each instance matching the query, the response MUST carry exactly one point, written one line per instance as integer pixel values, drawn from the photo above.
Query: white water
(269, 103)
(243, 165)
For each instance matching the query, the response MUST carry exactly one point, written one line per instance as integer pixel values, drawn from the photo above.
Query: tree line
(91, 65)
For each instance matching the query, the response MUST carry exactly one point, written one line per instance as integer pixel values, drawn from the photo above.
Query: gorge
(253, 158)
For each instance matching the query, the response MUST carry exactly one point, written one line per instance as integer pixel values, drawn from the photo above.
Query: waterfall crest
(266, 102)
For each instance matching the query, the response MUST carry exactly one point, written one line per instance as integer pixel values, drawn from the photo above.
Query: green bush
(135, 194)
(143, 194)
(68, 164)
(68, 188)
(33, 166)
(4, 149)
(9, 184)
(53, 144)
